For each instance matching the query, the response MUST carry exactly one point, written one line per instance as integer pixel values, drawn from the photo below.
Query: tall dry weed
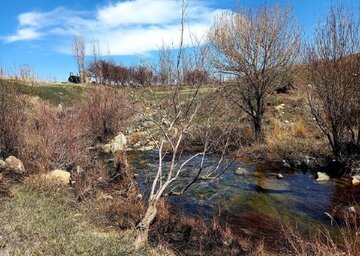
(323, 242)
(11, 119)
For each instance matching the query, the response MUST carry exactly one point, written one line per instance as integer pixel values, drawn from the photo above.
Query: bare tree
(142, 75)
(78, 50)
(333, 60)
(173, 124)
(165, 65)
(94, 67)
(254, 49)
(174, 121)
(180, 56)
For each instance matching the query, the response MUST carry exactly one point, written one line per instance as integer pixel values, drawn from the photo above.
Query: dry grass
(43, 219)
(299, 130)
(280, 132)
(322, 242)
(194, 235)
(283, 140)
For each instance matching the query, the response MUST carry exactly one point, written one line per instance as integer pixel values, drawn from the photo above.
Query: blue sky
(39, 32)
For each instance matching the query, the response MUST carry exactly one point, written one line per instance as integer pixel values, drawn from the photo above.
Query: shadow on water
(254, 201)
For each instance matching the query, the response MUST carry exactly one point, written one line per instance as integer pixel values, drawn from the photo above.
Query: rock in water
(321, 176)
(15, 164)
(59, 175)
(355, 180)
(286, 164)
(279, 176)
(118, 143)
(241, 171)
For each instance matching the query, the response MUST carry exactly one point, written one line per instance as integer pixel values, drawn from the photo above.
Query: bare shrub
(333, 64)
(196, 76)
(11, 119)
(141, 75)
(112, 190)
(55, 141)
(62, 138)
(87, 181)
(103, 113)
(124, 213)
(38, 135)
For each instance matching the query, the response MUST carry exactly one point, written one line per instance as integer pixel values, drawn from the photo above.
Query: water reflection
(258, 192)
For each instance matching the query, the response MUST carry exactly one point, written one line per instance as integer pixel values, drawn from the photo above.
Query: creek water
(256, 192)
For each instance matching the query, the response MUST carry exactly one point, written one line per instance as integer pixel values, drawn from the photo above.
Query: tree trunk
(337, 148)
(143, 227)
(257, 127)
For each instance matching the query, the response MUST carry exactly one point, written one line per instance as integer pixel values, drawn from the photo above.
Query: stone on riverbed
(275, 186)
(241, 171)
(355, 180)
(146, 148)
(321, 176)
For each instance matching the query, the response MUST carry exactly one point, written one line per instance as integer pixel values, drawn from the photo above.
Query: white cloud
(127, 27)
(29, 19)
(23, 34)
(140, 12)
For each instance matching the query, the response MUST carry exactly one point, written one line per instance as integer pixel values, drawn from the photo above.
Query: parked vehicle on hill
(74, 78)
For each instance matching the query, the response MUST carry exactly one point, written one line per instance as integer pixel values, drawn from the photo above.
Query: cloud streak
(126, 28)
(24, 34)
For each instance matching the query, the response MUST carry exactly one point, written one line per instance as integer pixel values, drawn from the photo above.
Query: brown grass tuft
(299, 130)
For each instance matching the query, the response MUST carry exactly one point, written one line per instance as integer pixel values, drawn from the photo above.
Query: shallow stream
(256, 192)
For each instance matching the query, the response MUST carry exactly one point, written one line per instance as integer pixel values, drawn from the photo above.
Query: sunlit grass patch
(44, 219)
